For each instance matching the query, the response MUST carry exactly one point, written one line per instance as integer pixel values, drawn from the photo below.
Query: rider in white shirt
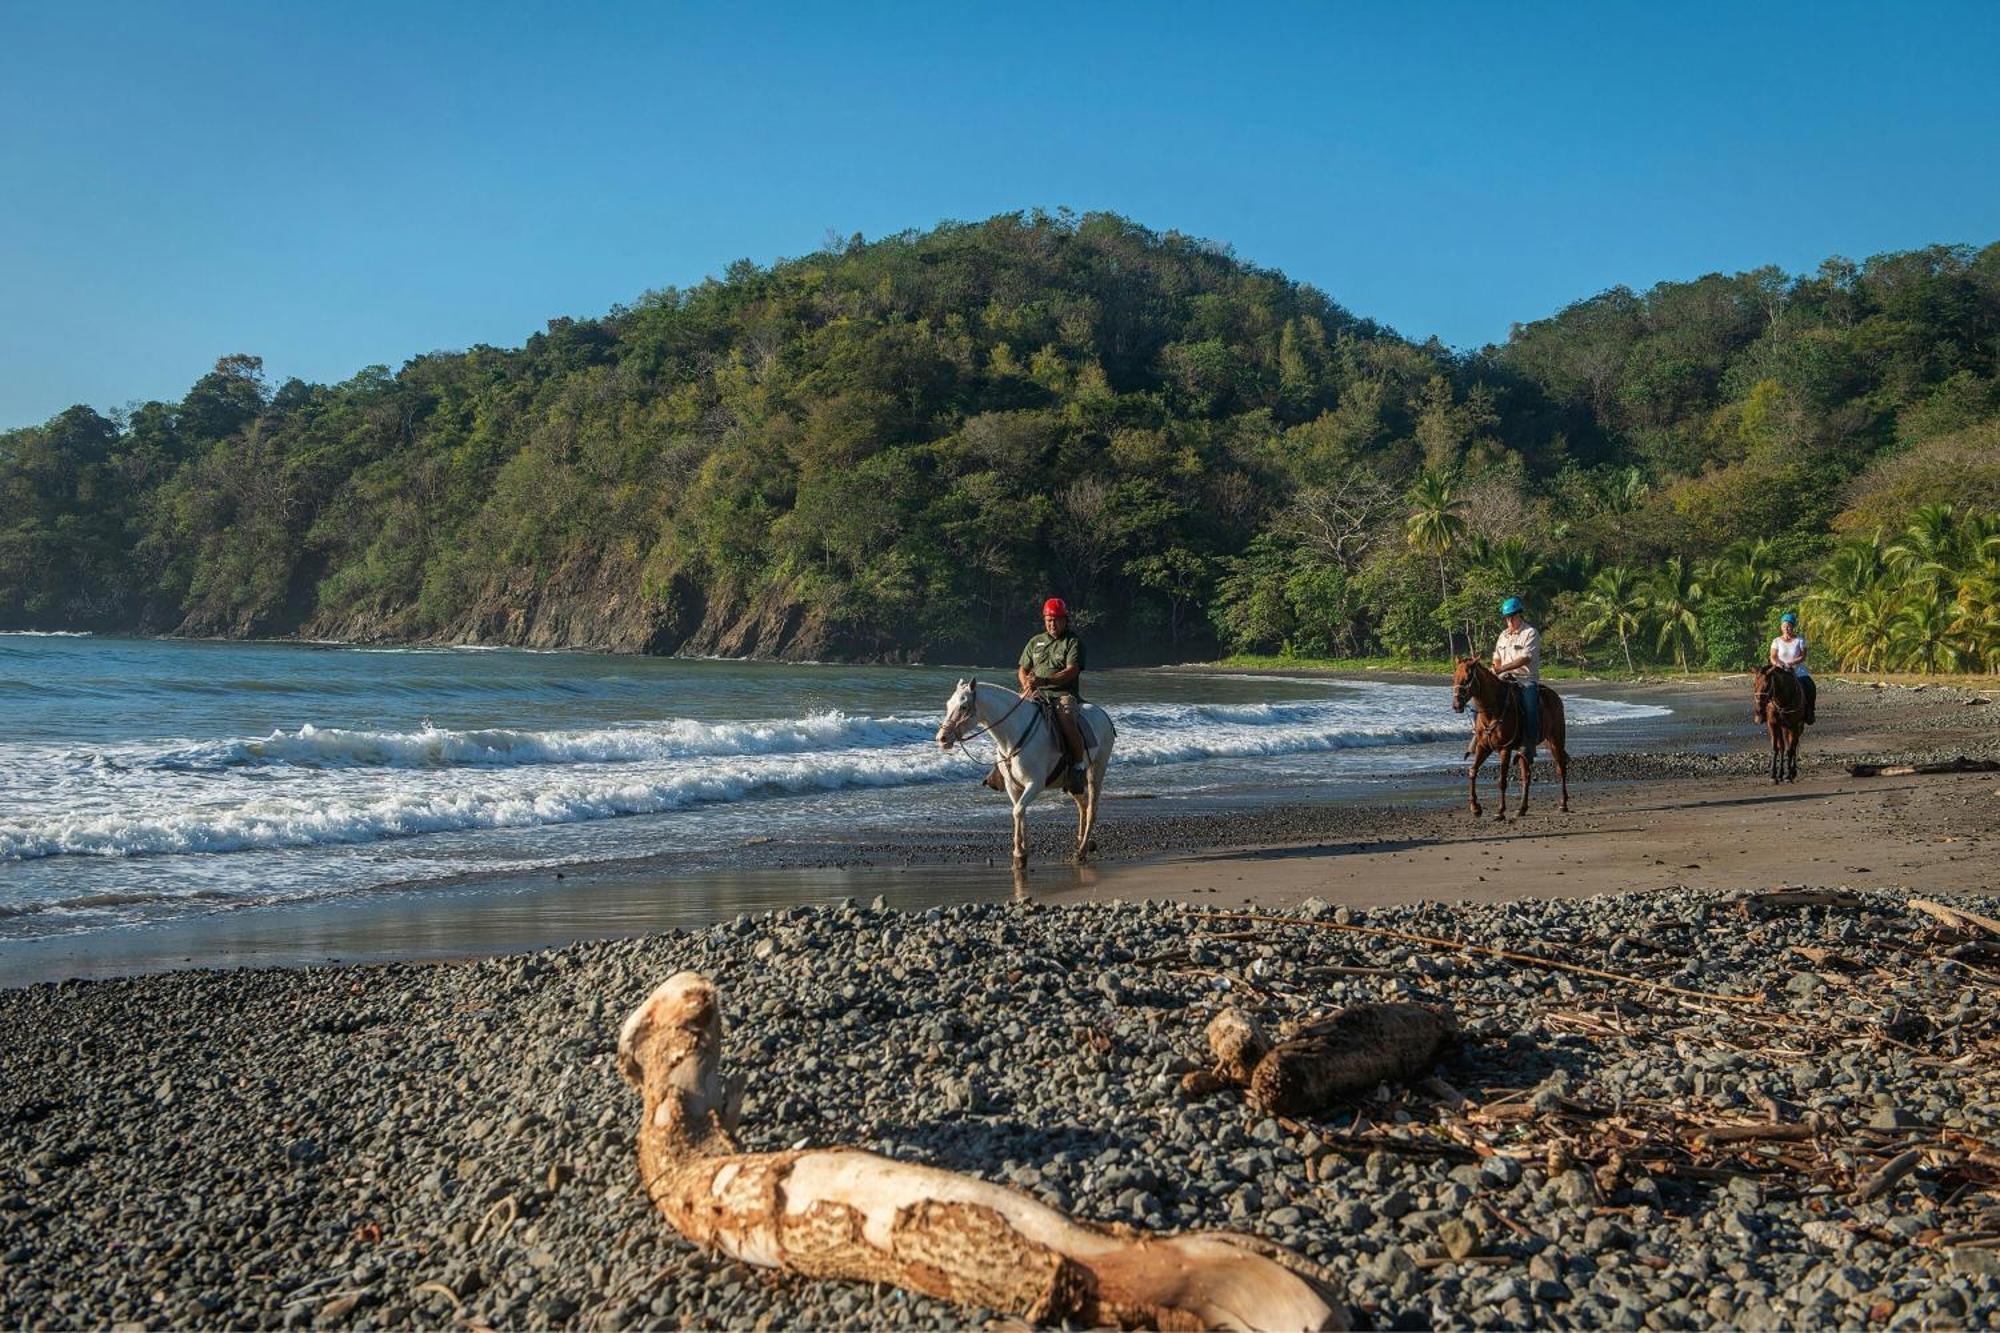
(1517, 656)
(1789, 650)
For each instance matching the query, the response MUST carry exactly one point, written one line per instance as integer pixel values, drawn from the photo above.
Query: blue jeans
(1531, 715)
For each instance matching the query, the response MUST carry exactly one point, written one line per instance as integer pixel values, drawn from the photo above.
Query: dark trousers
(1812, 694)
(1531, 715)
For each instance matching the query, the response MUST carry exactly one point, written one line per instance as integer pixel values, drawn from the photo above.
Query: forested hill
(896, 449)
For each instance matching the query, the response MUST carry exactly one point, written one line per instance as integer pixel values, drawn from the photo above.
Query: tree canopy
(897, 448)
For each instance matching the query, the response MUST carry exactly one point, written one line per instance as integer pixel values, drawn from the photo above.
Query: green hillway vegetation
(896, 449)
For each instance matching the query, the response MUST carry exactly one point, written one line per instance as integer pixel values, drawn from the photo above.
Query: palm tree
(1856, 569)
(1612, 602)
(1436, 523)
(1979, 603)
(1672, 595)
(1928, 551)
(1925, 631)
(1869, 623)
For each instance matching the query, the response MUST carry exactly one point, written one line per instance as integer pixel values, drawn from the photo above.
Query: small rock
(1459, 1237)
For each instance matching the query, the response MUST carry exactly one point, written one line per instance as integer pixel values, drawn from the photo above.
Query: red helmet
(1055, 607)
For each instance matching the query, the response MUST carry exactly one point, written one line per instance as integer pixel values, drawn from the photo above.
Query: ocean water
(145, 780)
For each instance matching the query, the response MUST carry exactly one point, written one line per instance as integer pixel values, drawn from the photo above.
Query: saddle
(1046, 709)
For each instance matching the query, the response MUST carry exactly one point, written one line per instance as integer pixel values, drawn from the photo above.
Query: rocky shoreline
(414, 1144)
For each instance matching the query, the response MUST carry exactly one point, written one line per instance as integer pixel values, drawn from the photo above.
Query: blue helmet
(1511, 607)
(1789, 618)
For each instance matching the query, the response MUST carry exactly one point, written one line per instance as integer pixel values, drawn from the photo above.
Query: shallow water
(147, 781)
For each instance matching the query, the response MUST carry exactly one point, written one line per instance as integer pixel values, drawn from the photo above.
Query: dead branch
(1956, 917)
(1528, 959)
(1958, 765)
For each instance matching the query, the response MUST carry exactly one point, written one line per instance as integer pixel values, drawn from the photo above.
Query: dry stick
(1532, 960)
(1955, 917)
(1882, 1181)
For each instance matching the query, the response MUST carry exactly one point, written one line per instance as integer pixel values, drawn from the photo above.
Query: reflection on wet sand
(474, 920)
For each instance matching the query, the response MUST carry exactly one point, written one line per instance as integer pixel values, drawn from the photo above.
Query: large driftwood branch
(844, 1213)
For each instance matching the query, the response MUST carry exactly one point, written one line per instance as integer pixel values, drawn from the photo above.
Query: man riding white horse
(1051, 670)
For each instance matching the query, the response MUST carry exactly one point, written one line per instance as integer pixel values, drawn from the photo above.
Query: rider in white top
(1789, 650)
(1517, 656)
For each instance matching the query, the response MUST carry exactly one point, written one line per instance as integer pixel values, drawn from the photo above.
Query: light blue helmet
(1511, 607)
(1789, 618)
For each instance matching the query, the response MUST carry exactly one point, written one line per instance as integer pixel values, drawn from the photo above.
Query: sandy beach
(424, 1143)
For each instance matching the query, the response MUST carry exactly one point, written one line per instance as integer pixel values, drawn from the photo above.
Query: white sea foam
(434, 747)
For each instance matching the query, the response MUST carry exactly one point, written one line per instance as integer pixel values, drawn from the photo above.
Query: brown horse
(1781, 707)
(1497, 727)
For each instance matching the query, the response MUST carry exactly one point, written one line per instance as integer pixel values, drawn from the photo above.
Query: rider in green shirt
(1052, 667)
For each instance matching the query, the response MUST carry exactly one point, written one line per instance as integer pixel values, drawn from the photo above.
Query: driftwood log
(1958, 765)
(1328, 1059)
(1348, 1053)
(844, 1213)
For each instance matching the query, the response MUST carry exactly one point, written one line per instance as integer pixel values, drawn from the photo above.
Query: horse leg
(1021, 826)
(1777, 754)
(1792, 754)
(1506, 762)
(1527, 776)
(1093, 792)
(1479, 754)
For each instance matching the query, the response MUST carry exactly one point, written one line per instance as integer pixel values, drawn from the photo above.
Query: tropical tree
(1436, 523)
(1611, 605)
(1926, 631)
(1672, 598)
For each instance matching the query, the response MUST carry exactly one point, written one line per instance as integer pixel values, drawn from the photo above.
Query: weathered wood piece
(844, 1213)
(1958, 765)
(1956, 917)
(1238, 1043)
(1781, 899)
(1884, 1179)
(1349, 1053)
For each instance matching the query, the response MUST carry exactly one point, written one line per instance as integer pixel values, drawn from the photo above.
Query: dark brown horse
(1497, 727)
(1781, 707)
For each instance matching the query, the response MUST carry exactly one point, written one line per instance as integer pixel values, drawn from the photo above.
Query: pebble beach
(413, 1145)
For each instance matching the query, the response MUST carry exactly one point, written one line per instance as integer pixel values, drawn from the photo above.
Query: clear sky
(335, 185)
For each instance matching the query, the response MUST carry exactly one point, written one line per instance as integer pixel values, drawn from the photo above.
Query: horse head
(1767, 690)
(958, 713)
(1462, 678)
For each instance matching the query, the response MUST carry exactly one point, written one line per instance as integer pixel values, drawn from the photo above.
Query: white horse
(1029, 750)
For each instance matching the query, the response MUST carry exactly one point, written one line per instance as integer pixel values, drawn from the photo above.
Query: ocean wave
(265, 794)
(436, 747)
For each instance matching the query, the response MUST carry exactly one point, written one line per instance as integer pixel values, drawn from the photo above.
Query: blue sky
(331, 186)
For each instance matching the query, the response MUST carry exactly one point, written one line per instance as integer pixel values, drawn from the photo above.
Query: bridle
(954, 729)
